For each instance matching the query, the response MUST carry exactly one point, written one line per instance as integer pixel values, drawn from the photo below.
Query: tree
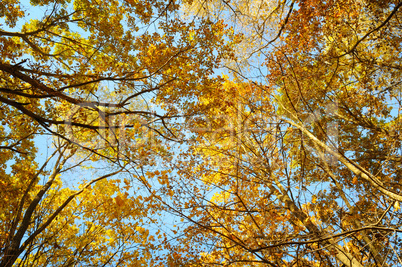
(297, 163)
(101, 81)
(291, 159)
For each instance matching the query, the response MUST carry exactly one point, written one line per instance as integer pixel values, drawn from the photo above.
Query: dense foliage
(124, 144)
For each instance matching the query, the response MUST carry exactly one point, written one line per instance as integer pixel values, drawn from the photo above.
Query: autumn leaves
(234, 133)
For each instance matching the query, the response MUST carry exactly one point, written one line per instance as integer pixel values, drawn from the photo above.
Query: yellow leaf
(314, 199)
(119, 201)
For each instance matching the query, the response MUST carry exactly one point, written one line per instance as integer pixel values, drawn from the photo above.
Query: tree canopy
(200, 133)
